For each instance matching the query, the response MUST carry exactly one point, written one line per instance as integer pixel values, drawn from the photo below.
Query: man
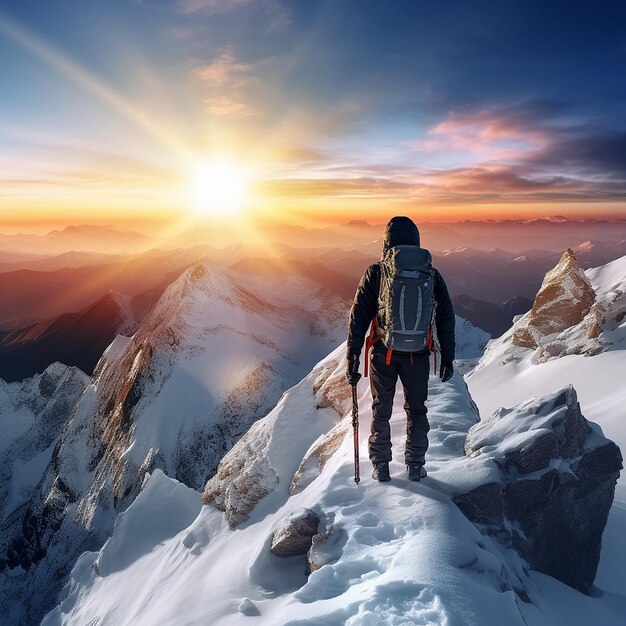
(388, 362)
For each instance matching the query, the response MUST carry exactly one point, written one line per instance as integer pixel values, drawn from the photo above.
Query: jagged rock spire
(565, 297)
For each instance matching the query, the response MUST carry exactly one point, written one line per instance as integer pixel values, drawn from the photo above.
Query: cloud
(226, 78)
(225, 106)
(490, 134)
(225, 71)
(212, 7)
(526, 151)
(274, 14)
(598, 155)
(333, 187)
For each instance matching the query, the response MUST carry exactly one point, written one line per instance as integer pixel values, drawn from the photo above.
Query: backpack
(406, 301)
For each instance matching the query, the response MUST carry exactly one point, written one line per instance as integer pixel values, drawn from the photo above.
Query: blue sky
(455, 107)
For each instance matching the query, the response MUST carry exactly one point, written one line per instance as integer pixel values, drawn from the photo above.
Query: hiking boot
(381, 472)
(415, 472)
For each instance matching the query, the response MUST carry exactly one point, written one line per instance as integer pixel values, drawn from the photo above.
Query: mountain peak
(565, 297)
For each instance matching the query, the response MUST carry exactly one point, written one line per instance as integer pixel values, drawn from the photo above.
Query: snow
(115, 349)
(400, 550)
(165, 501)
(129, 322)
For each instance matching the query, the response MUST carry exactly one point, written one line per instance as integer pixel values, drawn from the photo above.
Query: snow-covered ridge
(402, 550)
(213, 356)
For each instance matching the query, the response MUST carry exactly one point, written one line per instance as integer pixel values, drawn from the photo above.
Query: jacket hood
(400, 231)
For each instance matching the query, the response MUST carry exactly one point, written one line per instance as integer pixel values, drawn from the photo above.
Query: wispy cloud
(226, 106)
(225, 71)
(226, 78)
(488, 134)
(274, 14)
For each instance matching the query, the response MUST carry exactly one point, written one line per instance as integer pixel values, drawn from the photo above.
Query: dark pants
(414, 379)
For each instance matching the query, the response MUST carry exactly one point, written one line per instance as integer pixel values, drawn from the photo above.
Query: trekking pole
(355, 428)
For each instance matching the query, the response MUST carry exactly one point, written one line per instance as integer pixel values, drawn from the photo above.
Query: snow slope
(397, 553)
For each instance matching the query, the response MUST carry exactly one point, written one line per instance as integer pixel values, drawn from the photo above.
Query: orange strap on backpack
(433, 348)
(372, 338)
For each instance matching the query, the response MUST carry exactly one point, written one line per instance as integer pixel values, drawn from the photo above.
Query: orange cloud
(225, 70)
(487, 134)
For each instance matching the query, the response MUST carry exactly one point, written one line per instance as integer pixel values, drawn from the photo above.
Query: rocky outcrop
(317, 456)
(564, 299)
(243, 478)
(295, 533)
(331, 388)
(555, 481)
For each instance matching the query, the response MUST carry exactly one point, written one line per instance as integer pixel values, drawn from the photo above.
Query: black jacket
(399, 231)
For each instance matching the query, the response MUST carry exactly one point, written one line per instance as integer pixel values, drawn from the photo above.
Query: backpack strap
(433, 348)
(372, 338)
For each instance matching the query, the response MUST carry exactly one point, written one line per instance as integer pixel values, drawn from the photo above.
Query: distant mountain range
(84, 237)
(77, 339)
(555, 233)
(33, 296)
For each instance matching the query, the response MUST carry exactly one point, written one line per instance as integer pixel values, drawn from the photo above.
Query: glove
(352, 374)
(446, 370)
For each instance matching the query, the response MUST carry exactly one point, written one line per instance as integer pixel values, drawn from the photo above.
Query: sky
(117, 111)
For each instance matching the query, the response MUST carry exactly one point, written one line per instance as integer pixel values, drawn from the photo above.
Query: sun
(218, 187)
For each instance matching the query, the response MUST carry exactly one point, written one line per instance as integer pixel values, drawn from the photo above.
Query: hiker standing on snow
(400, 296)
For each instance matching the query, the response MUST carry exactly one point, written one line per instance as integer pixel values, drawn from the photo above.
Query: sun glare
(218, 188)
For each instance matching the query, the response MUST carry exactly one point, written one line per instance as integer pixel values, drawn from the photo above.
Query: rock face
(557, 474)
(242, 479)
(318, 455)
(564, 299)
(295, 533)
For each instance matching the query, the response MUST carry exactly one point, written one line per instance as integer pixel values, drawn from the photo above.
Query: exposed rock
(332, 390)
(295, 533)
(557, 480)
(316, 457)
(243, 478)
(325, 548)
(564, 299)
